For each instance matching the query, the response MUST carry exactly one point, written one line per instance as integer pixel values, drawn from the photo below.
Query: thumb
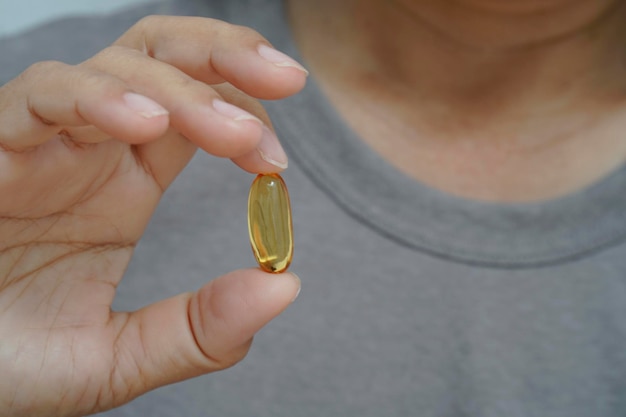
(196, 333)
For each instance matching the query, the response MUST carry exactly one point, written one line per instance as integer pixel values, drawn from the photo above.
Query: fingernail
(233, 112)
(299, 286)
(143, 106)
(270, 150)
(279, 59)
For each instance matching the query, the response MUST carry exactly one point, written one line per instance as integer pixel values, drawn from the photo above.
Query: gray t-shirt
(413, 303)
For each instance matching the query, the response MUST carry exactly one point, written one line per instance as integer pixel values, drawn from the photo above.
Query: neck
(502, 24)
(485, 80)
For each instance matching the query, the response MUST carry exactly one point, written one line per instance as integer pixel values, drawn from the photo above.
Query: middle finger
(197, 111)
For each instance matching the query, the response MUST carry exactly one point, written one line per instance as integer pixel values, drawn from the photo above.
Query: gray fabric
(414, 303)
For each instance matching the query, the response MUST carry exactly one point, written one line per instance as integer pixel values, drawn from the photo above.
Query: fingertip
(280, 59)
(279, 82)
(233, 308)
(298, 283)
(131, 117)
(269, 156)
(219, 129)
(151, 119)
(143, 106)
(233, 112)
(286, 75)
(284, 285)
(288, 283)
(260, 77)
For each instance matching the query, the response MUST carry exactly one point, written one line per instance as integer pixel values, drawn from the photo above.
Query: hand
(86, 153)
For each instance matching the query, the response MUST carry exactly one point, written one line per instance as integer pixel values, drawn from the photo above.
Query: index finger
(214, 51)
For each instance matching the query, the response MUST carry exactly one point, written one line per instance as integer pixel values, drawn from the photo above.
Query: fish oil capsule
(269, 223)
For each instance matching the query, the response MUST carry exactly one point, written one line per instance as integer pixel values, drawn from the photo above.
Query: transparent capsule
(269, 223)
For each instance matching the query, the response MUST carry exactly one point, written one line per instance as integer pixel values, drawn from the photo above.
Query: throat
(508, 24)
(524, 120)
(477, 157)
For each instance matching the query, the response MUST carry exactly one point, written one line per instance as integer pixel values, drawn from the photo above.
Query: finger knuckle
(136, 35)
(41, 69)
(107, 56)
(149, 21)
(95, 82)
(244, 33)
(192, 86)
(87, 81)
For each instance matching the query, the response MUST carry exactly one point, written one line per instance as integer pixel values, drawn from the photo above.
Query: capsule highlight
(269, 223)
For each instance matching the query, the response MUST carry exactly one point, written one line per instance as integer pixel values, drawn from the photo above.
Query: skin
(84, 172)
(498, 100)
(484, 100)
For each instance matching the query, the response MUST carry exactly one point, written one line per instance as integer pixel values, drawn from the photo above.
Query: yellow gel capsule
(269, 223)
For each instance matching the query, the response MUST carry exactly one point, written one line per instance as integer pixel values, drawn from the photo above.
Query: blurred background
(18, 15)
